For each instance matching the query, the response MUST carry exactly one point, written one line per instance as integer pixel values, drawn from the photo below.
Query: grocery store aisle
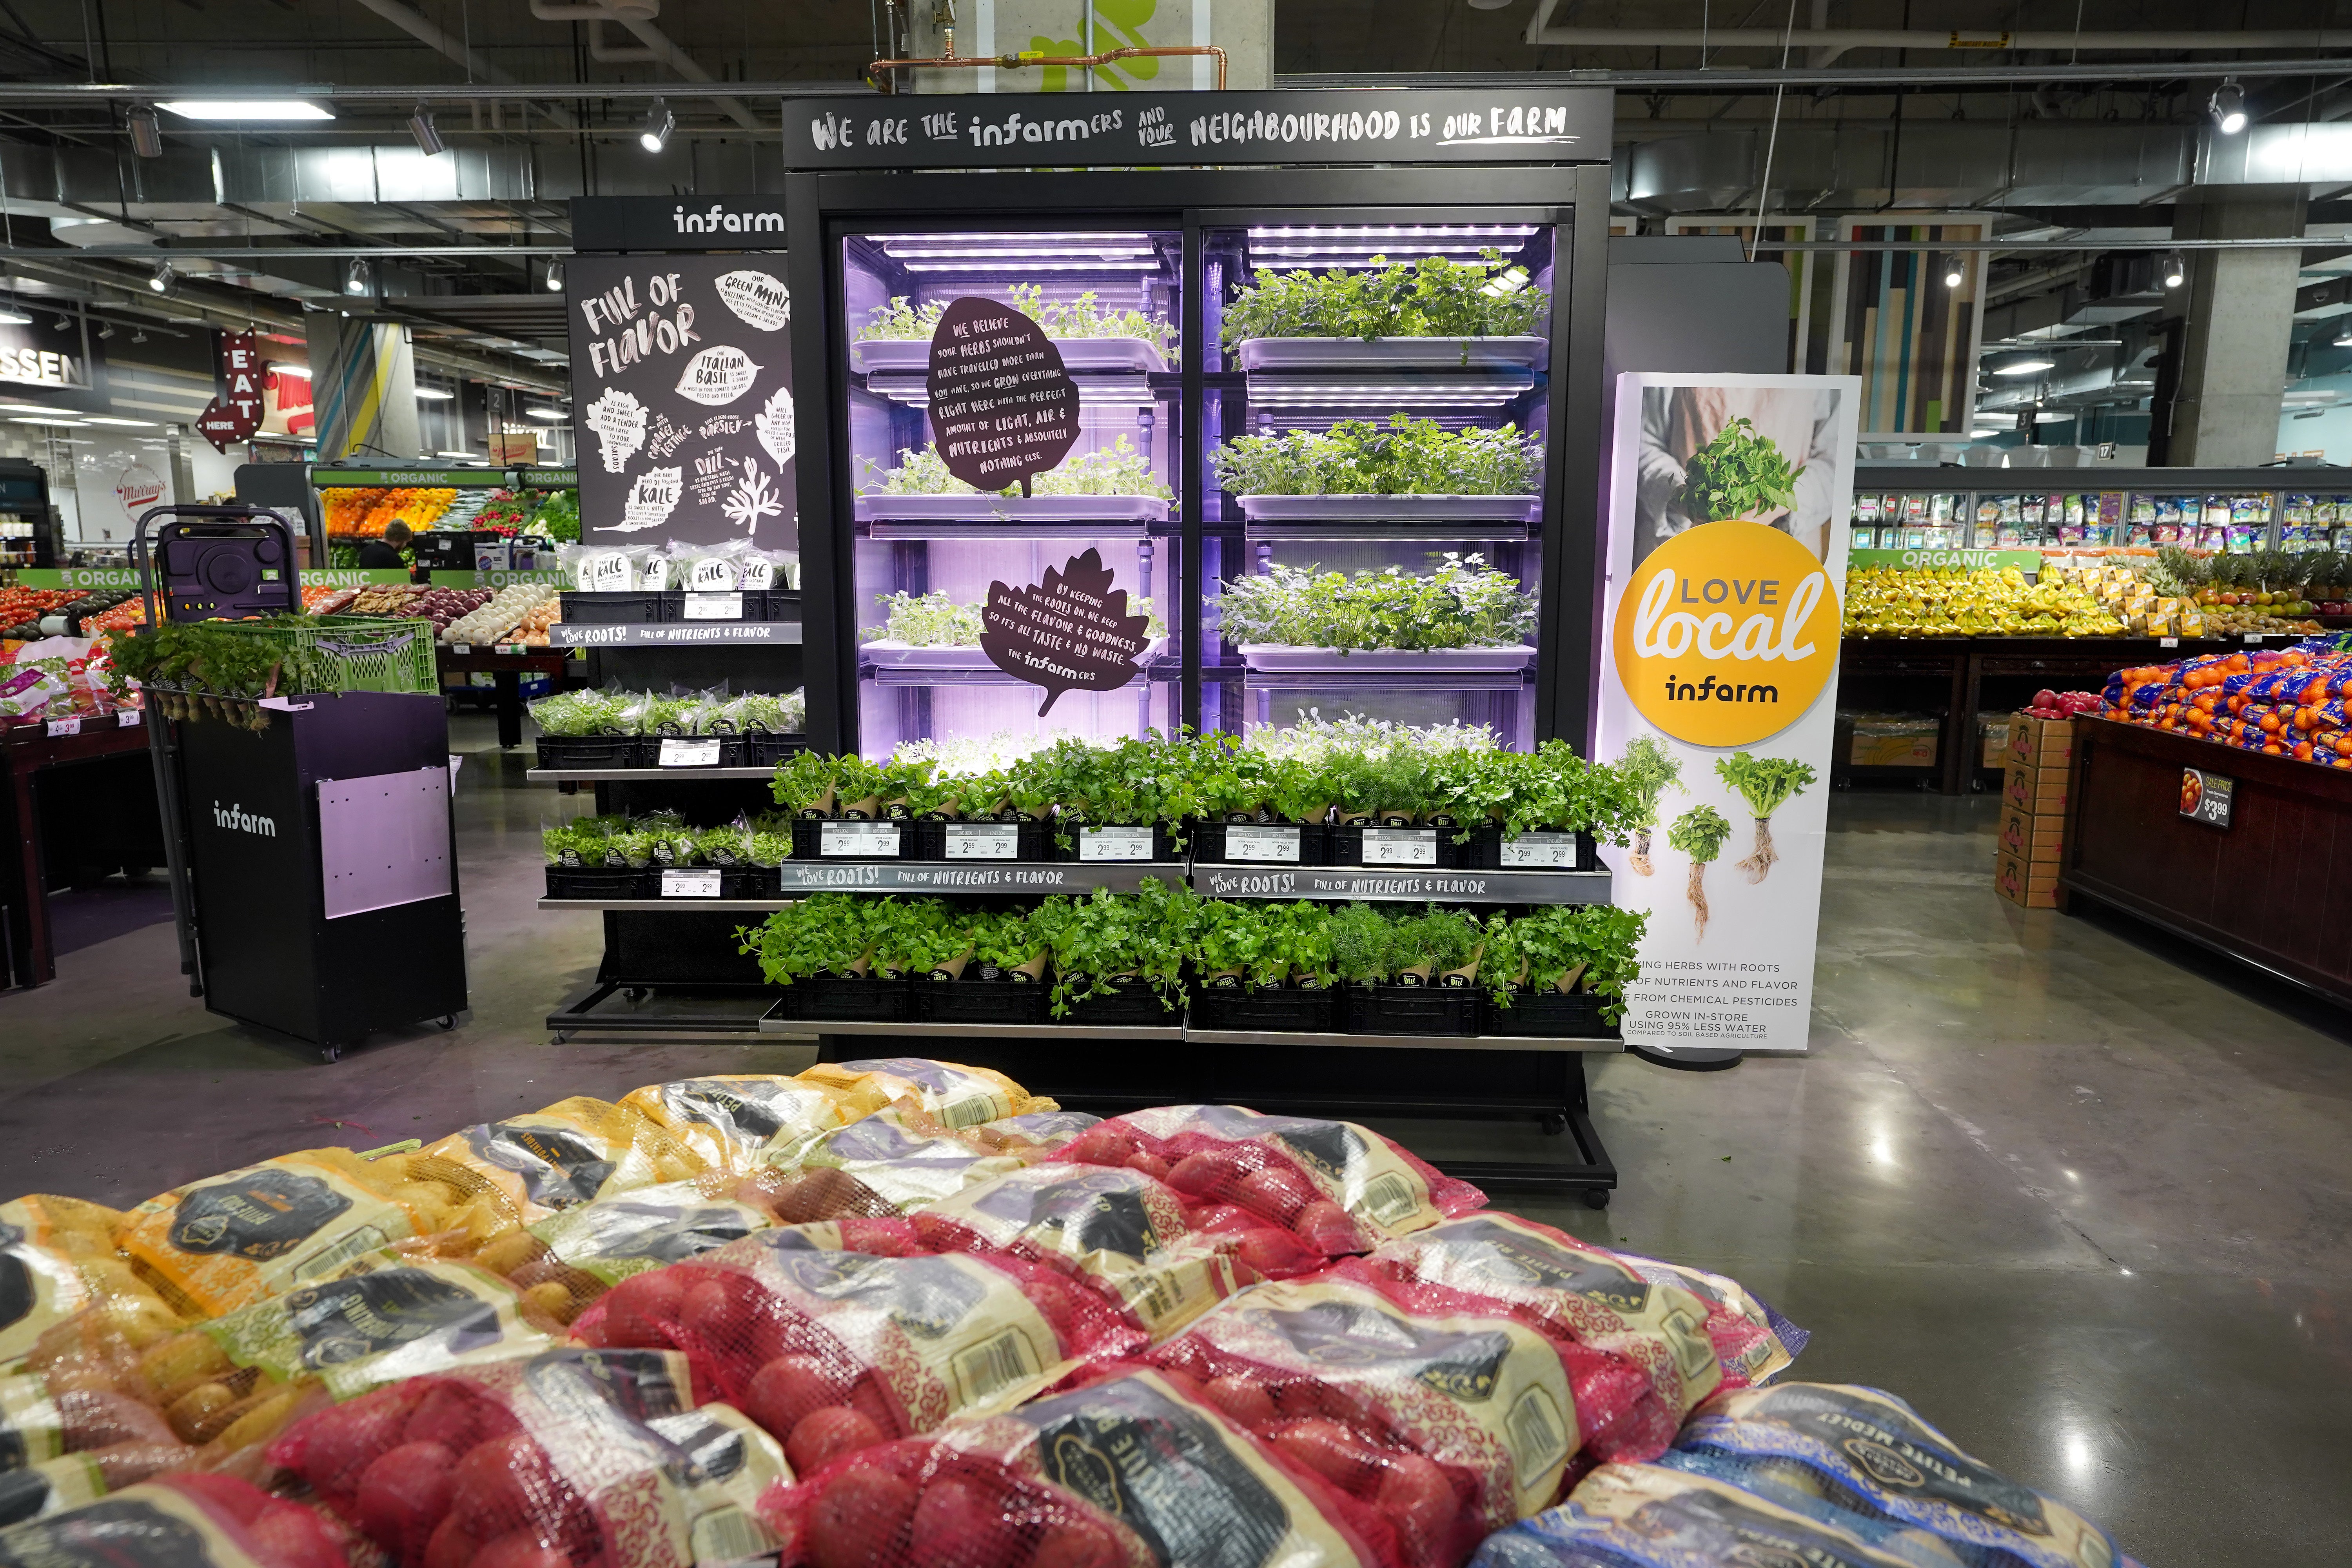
(2089, 1208)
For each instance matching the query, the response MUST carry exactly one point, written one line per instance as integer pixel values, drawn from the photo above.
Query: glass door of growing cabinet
(1373, 459)
(928, 546)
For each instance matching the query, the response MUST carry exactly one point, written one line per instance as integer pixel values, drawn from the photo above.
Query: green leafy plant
(812, 781)
(1766, 784)
(1649, 771)
(1104, 938)
(1699, 833)
(1463, 604)
(1404, 456)
(558, 516)
(200, 667)
(1565, 947)
(1118, 469)
(926, 620)
(1082, 316)
(1264, 943)
(824, 933)
(1431, 297)
(1739, 474)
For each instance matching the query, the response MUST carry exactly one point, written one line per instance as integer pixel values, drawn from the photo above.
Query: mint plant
(1739, 474)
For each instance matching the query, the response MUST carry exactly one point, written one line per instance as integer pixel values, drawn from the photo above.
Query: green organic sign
(410, 479)
(547, 478)
(1966, 560)
(496, 579)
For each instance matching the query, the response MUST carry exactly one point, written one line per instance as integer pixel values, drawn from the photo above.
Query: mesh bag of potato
(1646, 1516)
(57, 1260)
(185, 1522)
(570, 1152)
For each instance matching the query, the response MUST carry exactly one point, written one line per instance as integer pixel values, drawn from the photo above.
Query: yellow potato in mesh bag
(228, 1241)
(547, 1161)
(57, 1260)
(958, 1095)
(730, 1120)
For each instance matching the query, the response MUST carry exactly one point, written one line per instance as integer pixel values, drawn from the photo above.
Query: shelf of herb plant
(1517, 354)
(1403, 885)
(682, 634)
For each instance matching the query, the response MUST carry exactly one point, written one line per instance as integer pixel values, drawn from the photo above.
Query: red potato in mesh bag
(577, 1457)
(1338, 1187)
(1134, 1472)
(789, 1331)
(1450, 1426)
(183, 1521)
(1752, 1342)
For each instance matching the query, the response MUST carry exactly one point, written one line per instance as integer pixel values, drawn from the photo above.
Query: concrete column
(2240, 308)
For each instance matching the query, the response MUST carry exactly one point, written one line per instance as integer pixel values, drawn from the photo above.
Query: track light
(555, 277)
(426, 134)
(1954, 273)
(106, 328)
(12, 317)
(146, 133)
(65, 323)
(2228, 107)
(139, 334)
(660, 123)
(2176, 271)
(358, 278)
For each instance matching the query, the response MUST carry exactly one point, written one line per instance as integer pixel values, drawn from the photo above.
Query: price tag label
(1252, 841)
(851, 839)
(64, 727)
(689, 754)
(1399, 846)
(1548, 849)
(714, 606)
(2167, 642)
(983, 841)
(128, 718)
(461, 648)
(1114, 844)
(2253, 636)
(697, 883)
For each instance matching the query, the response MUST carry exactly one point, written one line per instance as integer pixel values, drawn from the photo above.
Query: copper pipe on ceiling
(1031, 58)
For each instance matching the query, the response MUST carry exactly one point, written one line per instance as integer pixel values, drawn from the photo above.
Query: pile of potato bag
(901, 1313)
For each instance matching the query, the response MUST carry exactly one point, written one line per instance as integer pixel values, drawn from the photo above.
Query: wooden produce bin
(2273, 888)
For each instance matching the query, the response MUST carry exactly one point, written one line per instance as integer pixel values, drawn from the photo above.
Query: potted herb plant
(1429, 314)
(1403, 469)
(1409, 973)
(1256, 808)
(1116, 483)
(821, 951)
(1089, 335)
(837, 804)
(1119, 961)
(1263, 967)
(972, 966)
(1464, 617)
(1560, 971)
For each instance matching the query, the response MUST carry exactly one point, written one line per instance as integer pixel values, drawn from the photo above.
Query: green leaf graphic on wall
(1119, 25)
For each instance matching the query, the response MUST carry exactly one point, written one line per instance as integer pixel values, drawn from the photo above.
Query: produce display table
(2273, 888)
(27, 955)
(507, 663)
(1952, 676)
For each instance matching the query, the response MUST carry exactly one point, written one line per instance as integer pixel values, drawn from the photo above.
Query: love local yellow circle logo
(1726, 632)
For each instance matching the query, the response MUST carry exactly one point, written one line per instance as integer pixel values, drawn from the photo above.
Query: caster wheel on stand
(330, 1053)
(636, 992)
(562, 1038)
(1596, 1197)
(1554, 1124)
(448, 1020)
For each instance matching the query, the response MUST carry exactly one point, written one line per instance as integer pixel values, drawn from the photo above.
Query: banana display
(1929, 601)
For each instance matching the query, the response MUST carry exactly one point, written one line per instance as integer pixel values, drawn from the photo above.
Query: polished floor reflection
(2084, 1198)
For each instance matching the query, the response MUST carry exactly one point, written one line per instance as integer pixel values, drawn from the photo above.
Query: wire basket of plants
(1089, 335)
(224, 670)
(1429, 314)
(1462, 618)
(1114, 483)
(595, 729)
(1405, 469)
(932, 631)
(623, 856)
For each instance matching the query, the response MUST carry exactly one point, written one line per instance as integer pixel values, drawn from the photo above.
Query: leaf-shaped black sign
(1003, 408)
(1070, 631)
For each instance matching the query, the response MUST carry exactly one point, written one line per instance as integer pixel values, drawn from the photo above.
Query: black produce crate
(1133, 1005)
(1209, 844)
(579, 752)
(1485, 852)
(1163, 841)
(581, 609)
(758, 603)
(1347, 847)
(980, 1000)
(750, 882)
(1031, 840)
(766, 749)
(808, 842)
(579, 882)
(1285, 1009)
(821, 996)
(1551, 1015)
(734, 751)
(1411, 1010)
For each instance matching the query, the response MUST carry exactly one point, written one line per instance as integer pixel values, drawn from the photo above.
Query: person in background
(384, 553)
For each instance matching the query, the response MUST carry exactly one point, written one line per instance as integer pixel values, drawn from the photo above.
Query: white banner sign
(1727, 522)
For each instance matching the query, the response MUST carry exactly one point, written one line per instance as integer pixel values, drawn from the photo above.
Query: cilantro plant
(1739, 474)
(1105, 938)
(1565, 947)
(1463, 604)
(1404, 456)
(1431, 297)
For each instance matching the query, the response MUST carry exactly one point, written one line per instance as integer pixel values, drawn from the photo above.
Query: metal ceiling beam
(203, 251)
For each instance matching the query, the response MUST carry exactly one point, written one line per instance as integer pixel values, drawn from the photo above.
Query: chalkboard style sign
(1003, 409)
(1071, 631)
(683, 369)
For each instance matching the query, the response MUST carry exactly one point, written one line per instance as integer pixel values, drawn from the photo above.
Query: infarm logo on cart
(237, 820)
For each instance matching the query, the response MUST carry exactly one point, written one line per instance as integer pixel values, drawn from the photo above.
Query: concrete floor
(2083, 1200)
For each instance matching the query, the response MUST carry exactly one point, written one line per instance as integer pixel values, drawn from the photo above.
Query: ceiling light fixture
(1955, 273)
(555, 277)
(2175, 271)
(146, 131)
(435, 394)
(2024, 367)
(358, 278)
(543, 413)
(660, 123)
(427, 135)
(12, 317)
(247, 109)
(166, 275)
(65, 323)
(114, 419)
(465, 457)
(48, 419)
(106, 328)
(2228, 107)
(287, 368)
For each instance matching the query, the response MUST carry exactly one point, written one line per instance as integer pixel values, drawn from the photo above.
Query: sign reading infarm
(1727, 559)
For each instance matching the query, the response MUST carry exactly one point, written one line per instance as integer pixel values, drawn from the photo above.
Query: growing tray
(897, 655)
(574, 752)
(1212, 843)
(822, 996)
(979, 1001)
(1410, 1010)
(1279, 1009)
(1163, 843)
(1285, 658)
(1134, 1005)
(809, 839)
(588, 609)
(1013, 509)
(1030, 841)
(1547, 1013)
(1393, 354)
(764, 748)
(569, 882)
(1534, 852)
(1389, 509)
(1394, 848)
(1131, 355)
